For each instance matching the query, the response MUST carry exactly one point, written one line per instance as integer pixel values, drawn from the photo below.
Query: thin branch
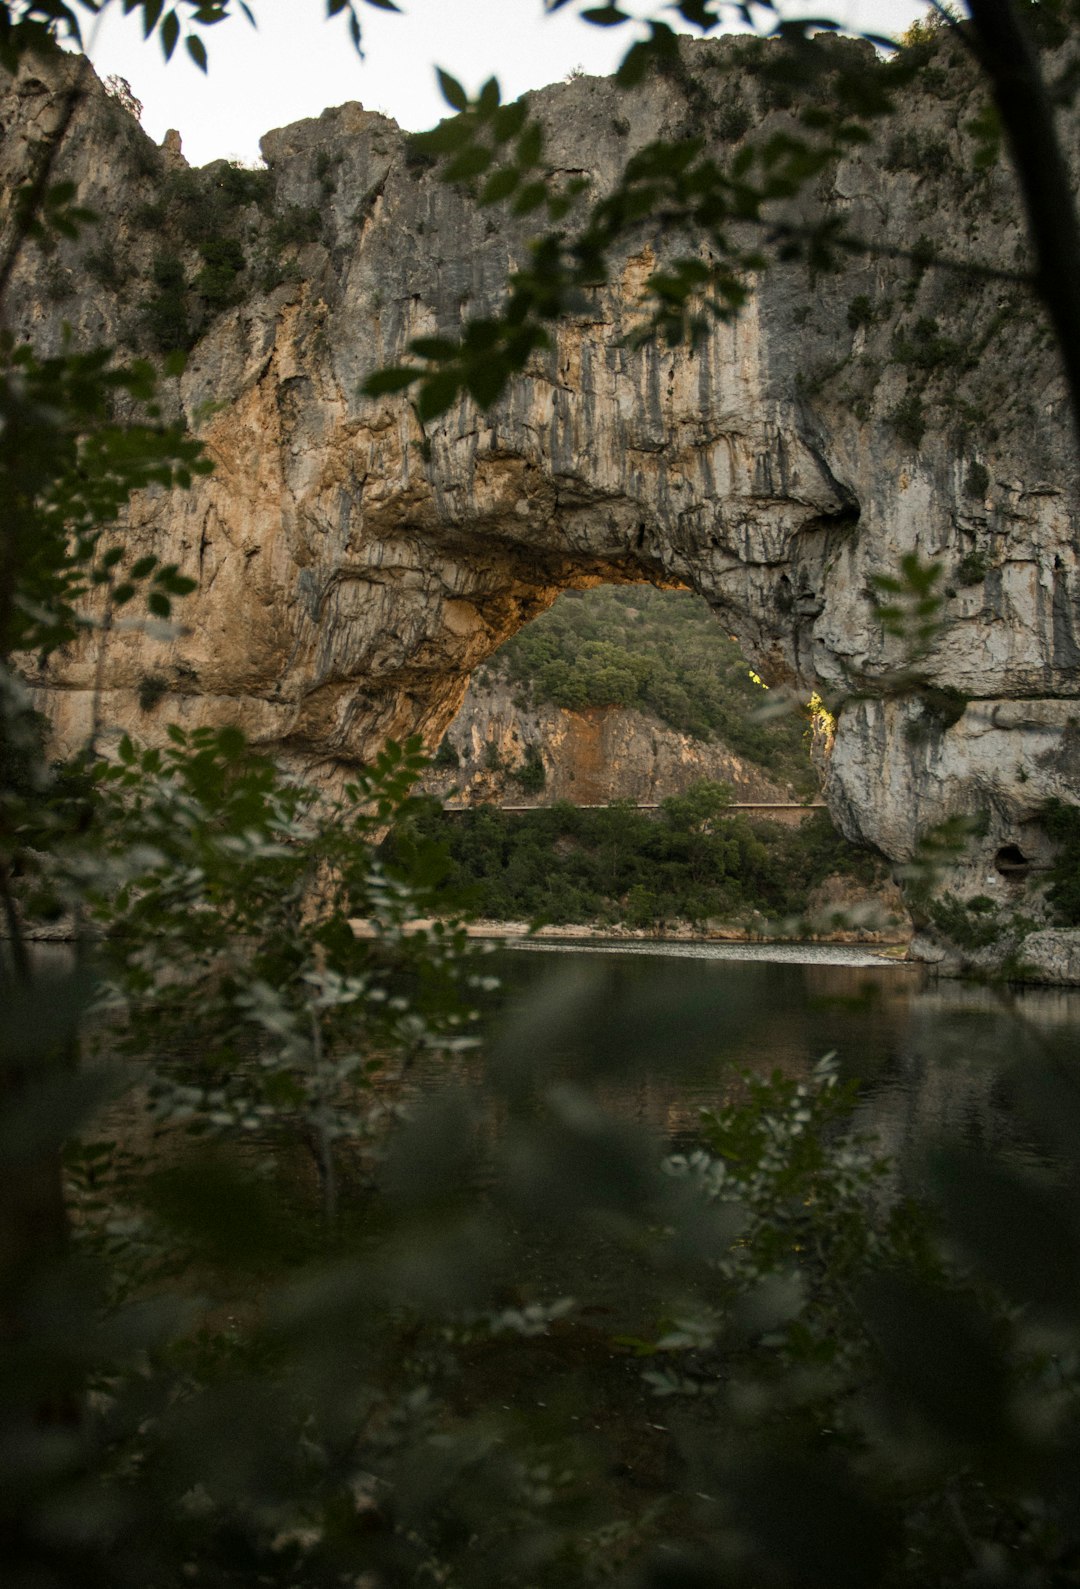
(955, 27)
(48, 151)
(19, 953)
(914, 256)
(1027, 115)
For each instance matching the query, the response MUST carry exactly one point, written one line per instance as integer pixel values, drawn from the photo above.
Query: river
(662, 1029)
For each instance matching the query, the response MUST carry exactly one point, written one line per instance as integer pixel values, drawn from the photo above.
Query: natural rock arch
(354, 570)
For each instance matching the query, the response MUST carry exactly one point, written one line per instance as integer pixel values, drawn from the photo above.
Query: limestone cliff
(354, 572)
(591, 757)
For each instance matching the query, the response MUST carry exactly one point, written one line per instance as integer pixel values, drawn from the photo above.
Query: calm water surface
(661, 1030)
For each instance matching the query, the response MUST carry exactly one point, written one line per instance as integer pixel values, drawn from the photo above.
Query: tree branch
(1023, 103)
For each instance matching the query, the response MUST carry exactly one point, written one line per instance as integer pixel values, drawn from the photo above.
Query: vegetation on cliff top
(662, 652)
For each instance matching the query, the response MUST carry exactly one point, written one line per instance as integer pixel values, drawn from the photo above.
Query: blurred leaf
(433, 1159)
(51, 1108)
(942, 1361)
(224, 1214)
(41, 1015)
(810, 1523)
(451, 90)
(1023, 1235)
(579, 1161)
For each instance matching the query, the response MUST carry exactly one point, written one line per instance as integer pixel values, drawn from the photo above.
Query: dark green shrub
(296, 226)
(152, 686)
(972, 568)
(691, 861)
(238, 186)
(939, 708)
(151, 217)
(416, 160)
(860, 311)
(323, 167)
(908, 420)
(969, 926)
(935, 158)
(105, 268)
(924, 348)
(274, 272)
(58, 282)
(446, 756)
(530, 775)
(165, 314)
(977, 480)
(1062, 824)
(217, 283)
(733, 121)
(902, 153)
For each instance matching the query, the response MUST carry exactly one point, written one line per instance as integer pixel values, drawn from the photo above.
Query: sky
(296, 63)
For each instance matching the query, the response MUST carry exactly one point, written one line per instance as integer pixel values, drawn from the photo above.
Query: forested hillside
(621, 867)
(662, 652)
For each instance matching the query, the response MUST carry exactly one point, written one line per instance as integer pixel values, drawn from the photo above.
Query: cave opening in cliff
(1011, 862)
(622, 692)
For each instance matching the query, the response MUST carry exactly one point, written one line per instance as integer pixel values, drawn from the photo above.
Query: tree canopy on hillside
(662, 652)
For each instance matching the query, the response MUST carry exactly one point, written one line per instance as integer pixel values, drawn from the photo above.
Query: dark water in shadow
(662, 1035)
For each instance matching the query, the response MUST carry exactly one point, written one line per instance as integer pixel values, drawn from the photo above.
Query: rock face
(355, 570)
(591, 757)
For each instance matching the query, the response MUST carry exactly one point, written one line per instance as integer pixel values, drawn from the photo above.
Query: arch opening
(622, 691)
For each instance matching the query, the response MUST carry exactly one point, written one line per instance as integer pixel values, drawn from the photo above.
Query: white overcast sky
(296, 62)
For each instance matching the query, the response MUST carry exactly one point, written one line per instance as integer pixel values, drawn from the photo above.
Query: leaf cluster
(37, 24)
(68, 465)
(675, 182)
(908, 605)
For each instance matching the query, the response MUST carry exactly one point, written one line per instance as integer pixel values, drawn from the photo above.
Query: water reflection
(662, 1036)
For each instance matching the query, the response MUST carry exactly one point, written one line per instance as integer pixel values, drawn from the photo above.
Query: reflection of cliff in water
(951, 1074)
(659, 1039)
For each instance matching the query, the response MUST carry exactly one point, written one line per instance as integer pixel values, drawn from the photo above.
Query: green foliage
(217, 283)
(971, 924)
(152, 686)
(105, 268)
(530, 774)
(860, 311)
(296, 226)
(206, 859)
(733, 120)
(166, 315)
(924, 348)
(939, 708)
(446, 756)
(66, 468)
(661, 652)
(908, 420)
(689, 862)
(1062, 823)
(976, 482)
(804, 1199)
(972, 568)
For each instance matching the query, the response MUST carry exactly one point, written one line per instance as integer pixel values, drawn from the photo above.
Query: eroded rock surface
(592, 756)
(353, 570)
